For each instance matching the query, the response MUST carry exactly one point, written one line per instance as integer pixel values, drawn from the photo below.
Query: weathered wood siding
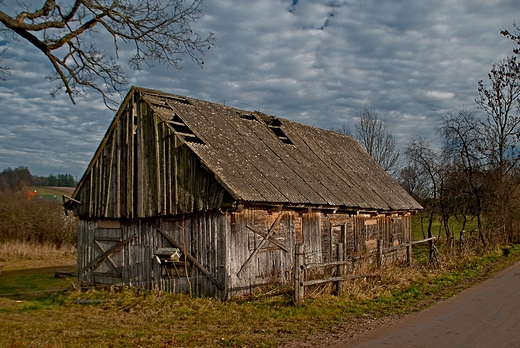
(270, 264)
(135, 265)
(107, 189)
(142, 169)
(227, 246)
(319, 232)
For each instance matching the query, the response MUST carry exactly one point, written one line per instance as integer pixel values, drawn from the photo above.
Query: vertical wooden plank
(223, 235)
(131, 128)
(117, 179)
(82, 244)
(379, 252)
(158, 166)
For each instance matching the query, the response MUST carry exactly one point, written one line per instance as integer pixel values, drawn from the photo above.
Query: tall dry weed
(17, 250)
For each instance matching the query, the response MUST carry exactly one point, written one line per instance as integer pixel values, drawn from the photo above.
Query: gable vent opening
(181, 129)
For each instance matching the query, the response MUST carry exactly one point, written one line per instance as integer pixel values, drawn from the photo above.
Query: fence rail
(300, 267)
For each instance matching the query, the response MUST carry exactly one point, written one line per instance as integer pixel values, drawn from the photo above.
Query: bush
(35, 221)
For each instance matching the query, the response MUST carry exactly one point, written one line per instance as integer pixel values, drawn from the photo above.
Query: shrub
(35, 221)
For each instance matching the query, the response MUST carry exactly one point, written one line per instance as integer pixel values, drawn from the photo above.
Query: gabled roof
(265, 159)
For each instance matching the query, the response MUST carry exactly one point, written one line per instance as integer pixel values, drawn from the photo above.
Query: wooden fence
(300, 267)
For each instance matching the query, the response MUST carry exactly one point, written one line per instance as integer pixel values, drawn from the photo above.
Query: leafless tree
(423, 157)
(501, 103)
(70, 33)
(500, 143)
(413, 180)
(373, 134)
(462, 132)
(342, 129)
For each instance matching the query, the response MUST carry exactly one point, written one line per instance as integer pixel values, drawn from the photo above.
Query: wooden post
(299, 292)
(341, 257)
(430, 242)
(409, 253)
(379, 252)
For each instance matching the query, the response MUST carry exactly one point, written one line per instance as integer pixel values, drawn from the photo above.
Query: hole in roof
(275, 125)
(248, 116)
(181, 129)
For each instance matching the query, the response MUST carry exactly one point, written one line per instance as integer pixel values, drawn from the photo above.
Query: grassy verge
(128, 318)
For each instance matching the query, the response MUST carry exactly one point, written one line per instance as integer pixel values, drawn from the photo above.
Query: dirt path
(486, 315)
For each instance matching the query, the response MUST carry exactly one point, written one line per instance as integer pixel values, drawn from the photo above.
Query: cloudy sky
(317, 62)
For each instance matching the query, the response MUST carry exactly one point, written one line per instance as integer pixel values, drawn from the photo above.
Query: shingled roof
(264, 159)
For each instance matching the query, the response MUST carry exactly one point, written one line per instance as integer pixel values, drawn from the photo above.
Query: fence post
(339, 284)
(409, 253)
(299, 292)
(379, 252)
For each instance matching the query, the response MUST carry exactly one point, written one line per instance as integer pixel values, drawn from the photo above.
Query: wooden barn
(186, 195)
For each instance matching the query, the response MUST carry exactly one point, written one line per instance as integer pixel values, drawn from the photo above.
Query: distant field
(52, 191)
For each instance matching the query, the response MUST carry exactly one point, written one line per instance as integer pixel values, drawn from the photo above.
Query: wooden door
(106, 239)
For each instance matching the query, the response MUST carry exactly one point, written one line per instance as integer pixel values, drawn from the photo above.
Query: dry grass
(133, 318)
(18, 255)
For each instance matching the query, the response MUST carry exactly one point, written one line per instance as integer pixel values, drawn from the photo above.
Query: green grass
(420, 227)
(52, 193)
(47, 190)
(37, 284)
(132, 318)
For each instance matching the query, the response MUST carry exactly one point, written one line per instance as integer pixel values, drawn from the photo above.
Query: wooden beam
(189, 257)
(270, 238)
(71, 199)
(103, 250)
(269, 234)
(336, 279)
(101, 258)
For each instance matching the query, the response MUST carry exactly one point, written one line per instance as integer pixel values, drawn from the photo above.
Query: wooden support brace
(71, 199)
(269, 234)
(190, 257)
(103, 250)
(270, 238)
(101, 258)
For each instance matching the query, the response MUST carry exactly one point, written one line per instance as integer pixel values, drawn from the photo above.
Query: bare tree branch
(373, 134)
(501, 103)
(4, 71)
(66, 32)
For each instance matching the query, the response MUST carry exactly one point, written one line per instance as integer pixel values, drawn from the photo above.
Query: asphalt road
(485, 315)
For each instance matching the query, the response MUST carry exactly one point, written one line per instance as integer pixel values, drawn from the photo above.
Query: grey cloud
(315, 62)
